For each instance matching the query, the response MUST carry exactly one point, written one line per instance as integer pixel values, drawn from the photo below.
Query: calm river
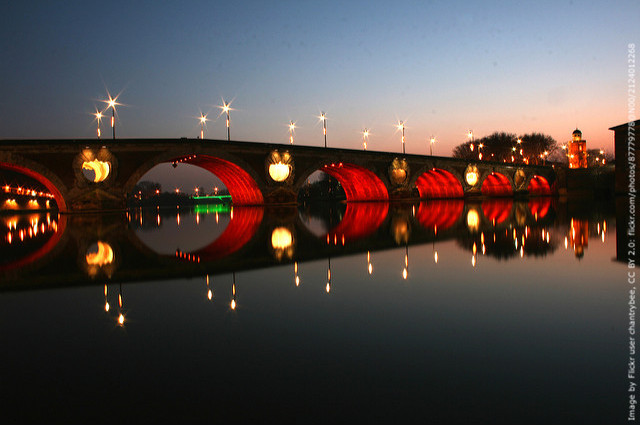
(435, 312)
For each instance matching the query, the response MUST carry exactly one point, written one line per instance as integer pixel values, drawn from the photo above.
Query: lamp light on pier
(98, 115)
(111, 103)
(226, 107)
(292, 127)
(401, 127)
(323, 117)
(203, 120)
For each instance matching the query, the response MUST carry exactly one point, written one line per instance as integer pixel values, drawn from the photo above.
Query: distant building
(622, 135)
(577, 151)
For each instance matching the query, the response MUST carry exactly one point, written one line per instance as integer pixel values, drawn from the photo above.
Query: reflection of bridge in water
(94, 249)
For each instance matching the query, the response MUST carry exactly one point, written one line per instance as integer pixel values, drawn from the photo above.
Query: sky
(443, 67)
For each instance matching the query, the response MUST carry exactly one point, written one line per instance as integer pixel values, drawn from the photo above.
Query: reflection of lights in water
(328, 286)
(404, 273)
(484, 249)
(104, 255)
(473, 260)
(106, 303)
(233, 293)
(197, 218)
(178, 219)
(566, 243)
(521, 251)
(473, 220)
(121, 319)
(217, 219)
(209, 291)
(282, 242)
(295, 274)
(435, 256)
(474, 249)
(281, 238)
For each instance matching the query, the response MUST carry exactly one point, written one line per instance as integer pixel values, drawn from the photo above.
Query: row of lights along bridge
(226, 108)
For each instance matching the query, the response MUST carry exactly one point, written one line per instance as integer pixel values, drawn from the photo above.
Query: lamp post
(98, 115)
(203, 119)
(365, 136)
(470, 136)
(226, 107)
(292, 127)
(401, 128)
(323, 117)
(431, 142)
(111, 103)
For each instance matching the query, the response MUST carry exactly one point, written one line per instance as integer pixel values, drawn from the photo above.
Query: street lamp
(98, 115)
(203, 120)
(470, 136)
(431, 142)
(401, 128)
(479, 151)
(226, 107)
(111, 103)
(292, 127)
(365, 136)
(323, 117)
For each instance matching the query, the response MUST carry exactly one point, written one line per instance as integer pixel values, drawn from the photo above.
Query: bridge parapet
(259, 173)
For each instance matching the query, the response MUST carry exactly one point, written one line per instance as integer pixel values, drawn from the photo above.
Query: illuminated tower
(577, 151)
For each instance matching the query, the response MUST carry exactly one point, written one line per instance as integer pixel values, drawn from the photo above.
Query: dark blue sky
(444, 67)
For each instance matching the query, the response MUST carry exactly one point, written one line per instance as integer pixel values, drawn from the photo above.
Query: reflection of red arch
(360, 220)
(540, 206)
(539, 186)
(243, 225)
(441, 214)
(42, 251)
(62, 205)
(497, 210)
(359, 184)
(438, 183)
(242, 187)
(496, 184)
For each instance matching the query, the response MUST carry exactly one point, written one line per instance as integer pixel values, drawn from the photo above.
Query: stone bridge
(260, 173)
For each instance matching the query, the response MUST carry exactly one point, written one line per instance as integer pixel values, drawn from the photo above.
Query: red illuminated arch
(242, 187)
(359, 184)
(538, 185)
(438, 183)
(57, 196)
(439, 214)
(496, 185)
(497, 210)
(360, 220)
(241, 228)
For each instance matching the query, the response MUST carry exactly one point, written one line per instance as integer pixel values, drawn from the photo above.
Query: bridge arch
(240, 178)
(439, 183)
(496, 184)
(539, 185)
(358, 181)
(40, 174)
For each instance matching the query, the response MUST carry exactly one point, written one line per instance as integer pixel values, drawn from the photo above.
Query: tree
(509, 148)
